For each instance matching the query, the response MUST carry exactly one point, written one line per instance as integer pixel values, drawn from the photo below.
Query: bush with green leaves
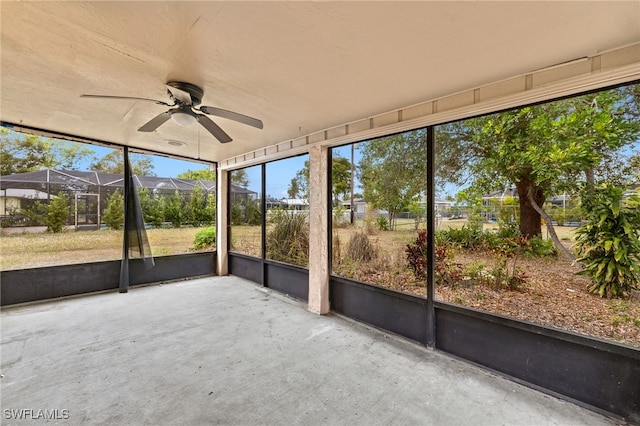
(383, 223)
(205, 238)
(246, 211)
(56, 213)
(113, 215)
(175, 210)
(152, 207)
(608, 243)
(288, 237)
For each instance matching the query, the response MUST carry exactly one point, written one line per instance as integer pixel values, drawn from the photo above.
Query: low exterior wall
(30, 285)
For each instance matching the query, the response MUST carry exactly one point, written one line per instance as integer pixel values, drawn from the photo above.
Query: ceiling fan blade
(219, 112)
(124, 97)
(214, 129)
(181, 95)
(156, 121)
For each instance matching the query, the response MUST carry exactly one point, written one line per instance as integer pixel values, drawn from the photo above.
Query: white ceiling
(300, 67)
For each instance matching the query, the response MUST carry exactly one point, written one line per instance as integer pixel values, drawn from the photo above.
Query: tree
(175, 209)
(340, 179)
(393, 171)
(21, 153)
(113, 162)
(196, 207)
(239, 178)
(152, 207)
(113, 215)
(543, 150)
(202, 174)
(293, 189)
(57, 213)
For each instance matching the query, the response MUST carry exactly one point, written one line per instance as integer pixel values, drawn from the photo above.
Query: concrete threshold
(221, 350)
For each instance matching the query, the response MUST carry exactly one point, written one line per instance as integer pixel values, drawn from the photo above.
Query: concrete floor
(223, 351)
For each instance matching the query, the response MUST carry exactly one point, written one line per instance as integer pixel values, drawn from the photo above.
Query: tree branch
(552, 232)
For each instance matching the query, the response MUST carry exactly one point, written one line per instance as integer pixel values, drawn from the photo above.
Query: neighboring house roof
(80, 179)
(294, 201)
(24, 193)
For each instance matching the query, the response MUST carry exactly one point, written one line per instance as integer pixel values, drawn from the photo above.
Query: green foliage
(538, 246)
(205, 238)
(113, 162)
(57, 213)
(418, 211)
(21, 153)
(472, 199)
(340, 179)
(609, 242)
(202, 174)
(246, 211)
(195, 209)
(209, 214)
(288, 238)
(544, 149)
(359, 248)
(339, 219)
(113, 215)
(240, 178)
(392, 171)
(507, 238)
(466, 237)
(152, 207)
(175, 210)
(383, 223)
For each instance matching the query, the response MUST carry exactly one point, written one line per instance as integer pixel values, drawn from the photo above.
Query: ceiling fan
(185, 97)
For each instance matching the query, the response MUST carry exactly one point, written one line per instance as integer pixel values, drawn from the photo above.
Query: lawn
(31, 250)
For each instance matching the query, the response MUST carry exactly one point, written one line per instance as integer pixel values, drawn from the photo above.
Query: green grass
(21, 251)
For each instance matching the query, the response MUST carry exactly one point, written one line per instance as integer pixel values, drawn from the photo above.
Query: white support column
(222, 234)
(318, 235)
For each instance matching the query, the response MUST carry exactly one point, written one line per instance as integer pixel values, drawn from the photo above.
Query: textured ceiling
(300, 67)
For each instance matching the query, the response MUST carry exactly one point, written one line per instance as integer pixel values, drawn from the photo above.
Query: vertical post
(222, 222)
(352, 213)
(124, 266)
(263, 225)
(318, 232)
(431, 315)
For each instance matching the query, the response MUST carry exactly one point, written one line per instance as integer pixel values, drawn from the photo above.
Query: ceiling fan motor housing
(194, 91)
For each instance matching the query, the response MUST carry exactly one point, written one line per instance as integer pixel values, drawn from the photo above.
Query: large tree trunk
(530, 220)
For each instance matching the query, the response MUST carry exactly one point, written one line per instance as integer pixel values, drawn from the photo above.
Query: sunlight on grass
(21, 251)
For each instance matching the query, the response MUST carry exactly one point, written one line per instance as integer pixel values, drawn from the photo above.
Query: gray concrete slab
(222, 351)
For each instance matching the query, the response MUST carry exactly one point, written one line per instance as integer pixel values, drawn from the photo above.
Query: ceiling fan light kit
(183, 118)
(185, 98)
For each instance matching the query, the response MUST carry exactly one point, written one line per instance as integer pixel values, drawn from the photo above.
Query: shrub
(541, 247)
(57, 213)
(175, 209)
(466, 237)
(370, 221)
(608, 243)
(359, 248)
(383, 223)
(113, 215)
(417, 259)
(205, 238)
(288, 239)
(339, 220)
